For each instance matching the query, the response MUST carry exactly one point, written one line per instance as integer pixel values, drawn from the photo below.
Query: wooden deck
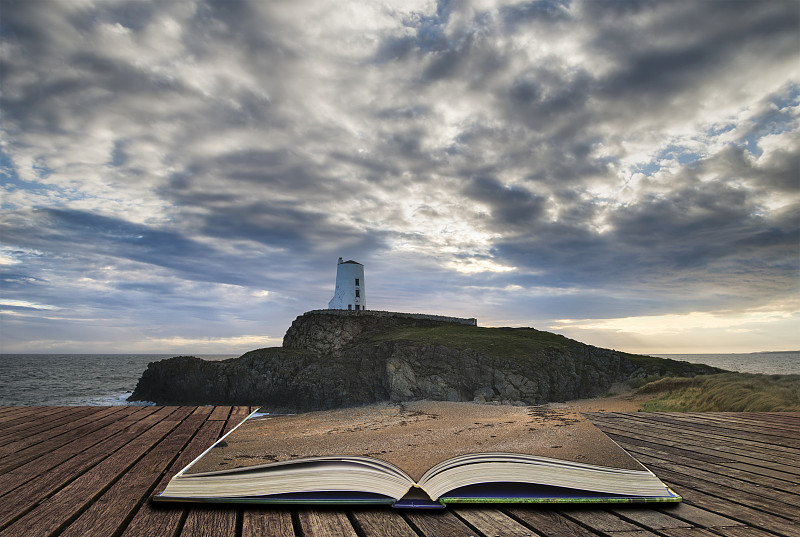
(90, 471)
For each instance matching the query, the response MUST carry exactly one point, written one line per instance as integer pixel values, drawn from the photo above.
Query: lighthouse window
(358, 293)
(358, 308)
(357, 283)
(349, 306)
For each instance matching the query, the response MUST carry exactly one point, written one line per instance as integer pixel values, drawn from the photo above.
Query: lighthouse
(349, 293)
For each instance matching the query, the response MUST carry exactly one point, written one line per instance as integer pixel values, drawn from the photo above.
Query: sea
(75, 379)
(766, 363)
(109, 379)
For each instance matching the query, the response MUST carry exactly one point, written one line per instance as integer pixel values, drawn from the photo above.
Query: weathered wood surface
(84, 471)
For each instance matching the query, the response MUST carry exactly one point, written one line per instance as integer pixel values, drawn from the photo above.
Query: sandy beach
(624, 402)
(416, 435)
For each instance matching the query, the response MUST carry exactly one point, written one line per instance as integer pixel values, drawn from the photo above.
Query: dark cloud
(539, 11)
(88, 235)
(287, 228)
(23, 25)
(512, 207)
(666, 244)
(544, 95)
(780, 172)
(278, 170)
(708, 38)
(499, 155)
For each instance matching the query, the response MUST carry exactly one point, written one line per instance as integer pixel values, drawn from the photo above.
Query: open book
(417, 454)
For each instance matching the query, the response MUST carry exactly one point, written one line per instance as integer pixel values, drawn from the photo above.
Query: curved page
(509, 468)
(314, 475)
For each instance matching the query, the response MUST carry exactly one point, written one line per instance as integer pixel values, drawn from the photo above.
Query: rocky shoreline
(333, 361)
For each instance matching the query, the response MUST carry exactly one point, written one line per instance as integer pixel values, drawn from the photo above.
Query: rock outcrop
(329, 361)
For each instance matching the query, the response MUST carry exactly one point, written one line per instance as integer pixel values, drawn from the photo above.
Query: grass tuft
(725, 392)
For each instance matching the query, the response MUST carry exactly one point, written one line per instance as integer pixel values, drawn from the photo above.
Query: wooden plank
(745, 531)
(8, 408)
(743, 513)
(757, 454)
(107, 427)
(711, 477)
(689, 532)
(699, 452)
(58, 435)
(238, 414)
(711, 444)
(776, 471)
(220, 413)
(768, 508)
(438, 523)
(760, 421)
(267, 523)
(648, 453)
(21, 499)
(597, 519)
(769, 422)
(689, 424)
(699, 517)
(210, 521)
(325, 523)
(50, 515)
(24, 412)
(25, 415)
(203, 411)
(58, 416)
(549, 523)
(6, 411)
(670, 447)
(778, 418)
(36, 451)
(109, 512)
(779, 423)
(155, 520)
(764, 503)
(381, 523)
(649, 518)
(492, 522)
(635, 533)
(23, 427)
(694, 428)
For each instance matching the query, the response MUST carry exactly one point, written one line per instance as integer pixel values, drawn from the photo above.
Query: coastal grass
(508, 342)
(725, 392)
(521, 344)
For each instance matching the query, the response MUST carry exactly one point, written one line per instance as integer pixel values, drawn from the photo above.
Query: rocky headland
(333, 358)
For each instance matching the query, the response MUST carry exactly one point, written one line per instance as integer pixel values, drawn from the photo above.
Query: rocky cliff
(330, 361)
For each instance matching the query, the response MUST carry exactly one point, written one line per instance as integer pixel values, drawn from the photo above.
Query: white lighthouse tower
(349, 293)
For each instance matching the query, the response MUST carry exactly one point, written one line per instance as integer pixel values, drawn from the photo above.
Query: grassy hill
(522, 344)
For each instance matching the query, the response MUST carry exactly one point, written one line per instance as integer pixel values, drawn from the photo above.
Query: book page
(416, 435)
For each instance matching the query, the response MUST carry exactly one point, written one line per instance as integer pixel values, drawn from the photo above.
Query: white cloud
(26, 304)
(203, 343)
(673, 324)
(477, 265)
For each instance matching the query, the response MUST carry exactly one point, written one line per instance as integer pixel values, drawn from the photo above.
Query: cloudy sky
(182, 176)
